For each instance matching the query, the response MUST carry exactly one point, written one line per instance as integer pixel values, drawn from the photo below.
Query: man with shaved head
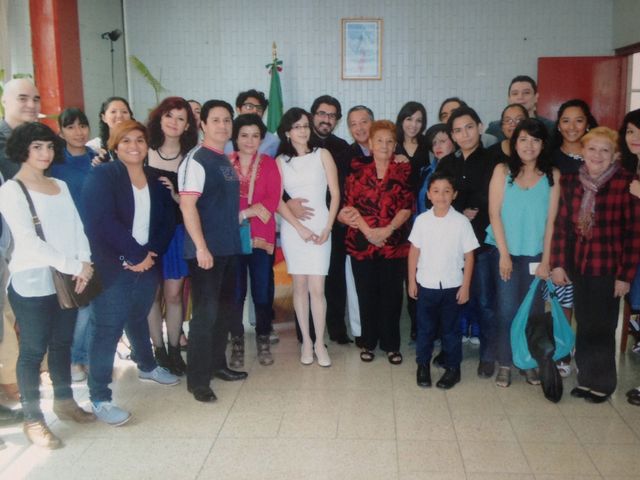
(21, 104)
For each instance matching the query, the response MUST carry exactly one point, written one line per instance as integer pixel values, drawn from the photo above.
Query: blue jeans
(81, 336)
(437, 310)
(43, 326)
(125, 304)
(259, 266)
(482, 302)
(509, 296)
(212, 294)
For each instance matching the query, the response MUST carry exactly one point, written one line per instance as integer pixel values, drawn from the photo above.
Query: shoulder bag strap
(32, 209)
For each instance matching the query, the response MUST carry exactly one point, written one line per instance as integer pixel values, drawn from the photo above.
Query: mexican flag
(274, 112)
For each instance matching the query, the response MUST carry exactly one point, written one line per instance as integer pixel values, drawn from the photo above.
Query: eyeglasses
(300, 127)
(512, 121)
(322, 113)
(252, 107)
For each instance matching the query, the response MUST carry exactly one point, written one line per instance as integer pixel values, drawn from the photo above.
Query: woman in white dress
(307, 172)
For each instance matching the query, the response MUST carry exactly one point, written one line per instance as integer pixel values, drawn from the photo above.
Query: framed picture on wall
(361, 48)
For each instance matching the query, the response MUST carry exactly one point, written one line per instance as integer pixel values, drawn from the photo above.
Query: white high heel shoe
(322, 355)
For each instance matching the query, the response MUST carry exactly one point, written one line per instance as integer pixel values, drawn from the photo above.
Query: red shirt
(614, 248)
(378, 201)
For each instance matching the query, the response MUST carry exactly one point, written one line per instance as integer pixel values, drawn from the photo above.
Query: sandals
(395, 358)
(367, 355)
(503, 378)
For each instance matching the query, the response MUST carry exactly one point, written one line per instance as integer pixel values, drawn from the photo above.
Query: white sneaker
(564, 369)
(159, 375)
(465, 339)
(78, 373)
(474, 340)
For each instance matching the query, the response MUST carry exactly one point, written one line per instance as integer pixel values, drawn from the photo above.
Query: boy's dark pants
(438, 310)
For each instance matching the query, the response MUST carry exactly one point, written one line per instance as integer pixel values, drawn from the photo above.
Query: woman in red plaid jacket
(597, 245)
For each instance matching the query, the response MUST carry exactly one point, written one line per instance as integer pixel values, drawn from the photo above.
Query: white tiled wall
(19, 37)
(431, 48)
(96, 17)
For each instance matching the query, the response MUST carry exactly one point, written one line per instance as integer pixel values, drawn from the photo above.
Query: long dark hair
(189, 137)
(535, 128)
(629, 160)
(582, 105)
(104, 128)
(406, 111)
(290, 117)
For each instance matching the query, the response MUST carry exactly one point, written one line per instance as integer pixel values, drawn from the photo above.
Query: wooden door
(599, 81)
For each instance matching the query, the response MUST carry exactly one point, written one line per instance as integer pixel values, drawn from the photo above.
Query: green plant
(143, 70)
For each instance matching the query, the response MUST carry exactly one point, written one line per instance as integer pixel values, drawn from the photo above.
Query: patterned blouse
(378, 201)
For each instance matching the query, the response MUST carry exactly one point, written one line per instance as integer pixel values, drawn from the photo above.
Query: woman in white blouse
(43, 324)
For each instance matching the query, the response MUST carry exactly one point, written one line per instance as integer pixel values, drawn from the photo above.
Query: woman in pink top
(248, 132)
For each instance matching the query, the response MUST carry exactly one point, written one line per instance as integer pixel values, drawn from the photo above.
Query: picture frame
(361, 47)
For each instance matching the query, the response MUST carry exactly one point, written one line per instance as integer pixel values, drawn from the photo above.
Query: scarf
(588, 204)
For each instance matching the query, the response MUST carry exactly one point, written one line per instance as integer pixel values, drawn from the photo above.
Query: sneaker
(475, 341)
(78, 373)
(564, 369)
(111, 414)
(465, 339)
(159, 375)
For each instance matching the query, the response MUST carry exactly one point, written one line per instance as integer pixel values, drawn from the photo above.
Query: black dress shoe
(423, 376)
(359, 342)
(203, 394)
(438, 360)
(342, 340)
(595, 398)
(450, 377)
(229, 375)
(486, 369)
(634, 392)
(9, 416)
(579, 392)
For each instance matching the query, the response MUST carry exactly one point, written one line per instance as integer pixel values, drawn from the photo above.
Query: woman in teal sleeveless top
(523, 202)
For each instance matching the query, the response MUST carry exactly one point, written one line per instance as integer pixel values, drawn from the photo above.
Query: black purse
(63, 282)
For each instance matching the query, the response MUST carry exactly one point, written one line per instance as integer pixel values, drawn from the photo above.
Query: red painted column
(55, 43)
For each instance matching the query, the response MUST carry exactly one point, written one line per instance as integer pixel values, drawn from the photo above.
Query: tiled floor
(350, 421)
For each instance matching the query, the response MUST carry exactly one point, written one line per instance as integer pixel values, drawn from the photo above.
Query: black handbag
(63, 282)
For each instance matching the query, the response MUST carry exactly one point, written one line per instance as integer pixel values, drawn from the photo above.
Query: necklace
(167, 158)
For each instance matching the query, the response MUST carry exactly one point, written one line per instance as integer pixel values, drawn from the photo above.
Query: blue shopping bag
(562, 333)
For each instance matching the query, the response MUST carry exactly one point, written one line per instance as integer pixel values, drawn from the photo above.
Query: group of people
(457, 220)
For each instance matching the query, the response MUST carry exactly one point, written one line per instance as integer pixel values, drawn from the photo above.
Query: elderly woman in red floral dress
(377, 205)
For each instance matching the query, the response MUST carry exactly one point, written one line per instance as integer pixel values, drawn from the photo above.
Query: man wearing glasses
(326, 113)
(253, 101)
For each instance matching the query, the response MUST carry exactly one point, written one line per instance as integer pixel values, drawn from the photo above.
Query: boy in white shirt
(440, 269)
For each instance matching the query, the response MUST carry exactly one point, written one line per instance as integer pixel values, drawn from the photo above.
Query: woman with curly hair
(172, 133)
